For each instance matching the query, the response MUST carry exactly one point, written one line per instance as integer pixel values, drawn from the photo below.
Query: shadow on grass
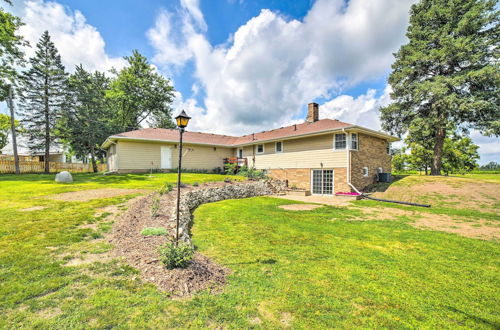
(383, 186)
(493, 324)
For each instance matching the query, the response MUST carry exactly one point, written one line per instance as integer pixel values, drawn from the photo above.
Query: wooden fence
(8, 166)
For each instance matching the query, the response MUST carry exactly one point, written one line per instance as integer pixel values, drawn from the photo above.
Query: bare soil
(448, 192)
(478, 228)
(34, 208)
(299, 207)
(87, 195)
(142, 252)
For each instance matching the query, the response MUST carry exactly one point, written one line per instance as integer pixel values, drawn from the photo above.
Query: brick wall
(298, 177)
(301, 178)
(372, 153)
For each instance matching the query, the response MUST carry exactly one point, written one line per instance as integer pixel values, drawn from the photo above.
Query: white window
(388, 148)
(365, 171)
(279, 146)
(380, 170)
(260, 148)
(340, 141)
(354, 141)
(240, 153)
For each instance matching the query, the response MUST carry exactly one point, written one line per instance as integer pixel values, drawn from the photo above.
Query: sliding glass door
(322, 182)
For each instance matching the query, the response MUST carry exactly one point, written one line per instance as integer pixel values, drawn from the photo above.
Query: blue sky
(241, 66)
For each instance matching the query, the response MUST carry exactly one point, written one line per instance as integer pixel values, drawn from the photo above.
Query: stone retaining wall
(192, 199)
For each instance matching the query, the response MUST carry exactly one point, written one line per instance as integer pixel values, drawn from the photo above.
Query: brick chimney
(312, 112)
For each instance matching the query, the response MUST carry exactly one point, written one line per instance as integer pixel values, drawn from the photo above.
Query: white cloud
(362, 110)
(77, 41)
(271, 67)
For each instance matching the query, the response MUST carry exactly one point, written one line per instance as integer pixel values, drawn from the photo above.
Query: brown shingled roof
(173, 135)
(294, 130)
(217, 139)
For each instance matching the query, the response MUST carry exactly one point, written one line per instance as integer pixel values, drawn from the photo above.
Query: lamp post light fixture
(182, 121)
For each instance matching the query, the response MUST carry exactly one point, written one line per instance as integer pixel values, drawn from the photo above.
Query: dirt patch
(142, 252)
(88, 259)
(299, 207)
(475, 229)
(34, 208)
(447, 192)
(87, 195)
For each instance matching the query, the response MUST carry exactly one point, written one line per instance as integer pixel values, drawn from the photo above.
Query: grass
(305, 269)
(153, 231)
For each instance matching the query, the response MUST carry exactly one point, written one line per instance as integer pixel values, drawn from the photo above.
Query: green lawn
(306, 269)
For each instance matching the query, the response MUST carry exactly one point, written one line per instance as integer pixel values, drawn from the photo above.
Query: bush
(173, 256)
(155, 206)
(230, 169)
(166, 188)
(217, 170)
(195, 184)
(154, 231)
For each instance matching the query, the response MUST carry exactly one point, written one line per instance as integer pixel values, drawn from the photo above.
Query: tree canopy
(138, 94)
(88, 119)
(447, 76)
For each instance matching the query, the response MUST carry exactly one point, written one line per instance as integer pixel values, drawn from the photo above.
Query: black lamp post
(182, 121)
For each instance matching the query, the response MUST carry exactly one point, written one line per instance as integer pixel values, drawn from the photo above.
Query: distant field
(368, 265)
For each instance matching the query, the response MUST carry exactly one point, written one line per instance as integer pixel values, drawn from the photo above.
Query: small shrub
(195, 184)
(227, 180)
(217, 170)
(165, 189)
(155, 206)
(154, 231)
(230, 169)
(173, 256)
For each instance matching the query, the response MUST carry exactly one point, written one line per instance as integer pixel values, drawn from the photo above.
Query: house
(321, 156)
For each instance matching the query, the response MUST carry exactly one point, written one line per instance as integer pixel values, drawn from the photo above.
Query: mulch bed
(142, 252)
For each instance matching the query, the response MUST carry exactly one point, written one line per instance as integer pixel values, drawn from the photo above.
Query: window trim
(257, 149)
(388, 148)
(276, 147)
(335, 141)
(357, 141)
(367, 171)
(380, 170)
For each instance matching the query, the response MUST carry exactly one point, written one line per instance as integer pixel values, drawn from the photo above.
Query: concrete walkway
(326, 200)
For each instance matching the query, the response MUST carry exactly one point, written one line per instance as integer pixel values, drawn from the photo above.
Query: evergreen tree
(447, 74)
(43, 93)
(88, 119)
(139, 93)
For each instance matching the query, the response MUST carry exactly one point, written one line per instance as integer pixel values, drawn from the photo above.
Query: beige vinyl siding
(201, 157)
(147, 155)
(138, 155)
(307, 152)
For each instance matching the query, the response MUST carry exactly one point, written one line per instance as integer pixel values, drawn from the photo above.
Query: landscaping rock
(64, 177)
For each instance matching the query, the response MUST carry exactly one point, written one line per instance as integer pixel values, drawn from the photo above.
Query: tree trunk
(92, 157)
(47, 128)
(13, 130)
(438, 151)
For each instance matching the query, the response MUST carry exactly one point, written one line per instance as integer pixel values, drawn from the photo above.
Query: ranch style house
(320, 156)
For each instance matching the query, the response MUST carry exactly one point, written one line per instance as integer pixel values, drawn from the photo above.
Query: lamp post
(182, 121)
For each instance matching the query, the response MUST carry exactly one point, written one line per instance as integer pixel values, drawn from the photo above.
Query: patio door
(322, 182)
(166, 157)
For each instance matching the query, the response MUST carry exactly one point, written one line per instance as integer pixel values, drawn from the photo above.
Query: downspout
(348, 161)
(365, 195)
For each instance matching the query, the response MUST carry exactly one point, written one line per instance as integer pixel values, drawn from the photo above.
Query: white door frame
(165, 166)
(333, 181)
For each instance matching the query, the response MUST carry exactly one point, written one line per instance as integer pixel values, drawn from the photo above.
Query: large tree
(88, 119)
(43, 93)
(139, 94)
(447, 74)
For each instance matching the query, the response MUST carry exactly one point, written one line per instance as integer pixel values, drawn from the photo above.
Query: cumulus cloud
(272, 66)
(362, 110)
(77, 41)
